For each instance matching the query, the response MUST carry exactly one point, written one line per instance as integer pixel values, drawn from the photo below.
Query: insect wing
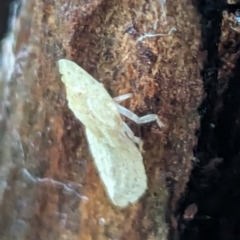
(120, 167)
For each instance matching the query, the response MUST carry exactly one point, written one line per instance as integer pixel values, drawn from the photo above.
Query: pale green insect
(111, 142)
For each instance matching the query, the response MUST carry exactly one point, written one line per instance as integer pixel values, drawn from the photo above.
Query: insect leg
(150, 118)
(122, 97)
(131, 135)
(139, 120)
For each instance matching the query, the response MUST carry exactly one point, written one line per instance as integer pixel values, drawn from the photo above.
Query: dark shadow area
(216, 192)
(8, 9)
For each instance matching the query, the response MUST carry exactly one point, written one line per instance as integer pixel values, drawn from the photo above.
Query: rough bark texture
(214, 181)
(46, 198)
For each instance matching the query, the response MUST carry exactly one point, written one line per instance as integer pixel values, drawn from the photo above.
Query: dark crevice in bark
(216, 193)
